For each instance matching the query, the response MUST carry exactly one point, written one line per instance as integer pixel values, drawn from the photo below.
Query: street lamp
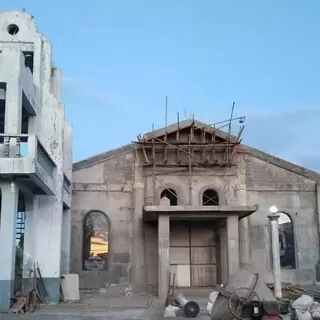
(273, 209)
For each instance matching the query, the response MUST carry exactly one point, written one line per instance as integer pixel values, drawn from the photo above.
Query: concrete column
(66, 241)
(233, 244)
(163, 255)
(13, 110)
(224, 254)
(47, 230)
(9, 208)
(139, 276)
(244, 242)
(274, 226)
(28, 246)
(244, 230)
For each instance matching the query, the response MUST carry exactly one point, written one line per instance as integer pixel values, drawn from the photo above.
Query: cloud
(80, 91)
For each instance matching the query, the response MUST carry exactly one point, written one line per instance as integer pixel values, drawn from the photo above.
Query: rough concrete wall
(269, 185)
(202, 179)
(67, 151)
(94, 174)
(151, 247)
(107, 187)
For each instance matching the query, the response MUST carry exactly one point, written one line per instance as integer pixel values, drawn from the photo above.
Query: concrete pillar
(139, 276)
(163, 255)
(244, 242)
(274, 226)
(223, 253)
(28, 247)
(9, 208)
(13, 109)
(47, 230)
(66, 241)
(233, 243)
(244, 230)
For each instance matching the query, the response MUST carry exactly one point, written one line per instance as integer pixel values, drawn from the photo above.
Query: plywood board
(179, 255)
(202, 236)
(203, 275)
(179, 236)
(203, 255)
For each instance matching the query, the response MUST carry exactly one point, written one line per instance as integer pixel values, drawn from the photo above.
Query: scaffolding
(206, 146)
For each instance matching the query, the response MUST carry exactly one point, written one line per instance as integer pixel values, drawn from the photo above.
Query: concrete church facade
(195, 201)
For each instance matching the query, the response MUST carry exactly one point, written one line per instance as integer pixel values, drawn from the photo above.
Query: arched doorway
(95, 241)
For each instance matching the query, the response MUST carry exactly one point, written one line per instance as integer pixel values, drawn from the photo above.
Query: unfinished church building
(195, 201)
(35, 161)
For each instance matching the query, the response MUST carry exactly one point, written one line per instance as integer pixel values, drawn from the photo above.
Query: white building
(35, 157)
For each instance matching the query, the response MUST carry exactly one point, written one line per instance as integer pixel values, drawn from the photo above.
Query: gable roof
(300, 170)
(187, 124)
(89, 162)
(284, 164)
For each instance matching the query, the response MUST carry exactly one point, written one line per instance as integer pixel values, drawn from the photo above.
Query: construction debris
(293, 292)
(23, 303)
(30, 302)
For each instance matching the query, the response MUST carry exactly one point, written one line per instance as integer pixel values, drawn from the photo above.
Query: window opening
(286, 242)
(13, 29)
(171, 195)
(210, 198)
(28, 60)
(95, 241)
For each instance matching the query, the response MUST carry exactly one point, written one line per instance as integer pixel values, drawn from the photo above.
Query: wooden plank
(186, 165)
(145, 154)
(180, 144)
(203, 157)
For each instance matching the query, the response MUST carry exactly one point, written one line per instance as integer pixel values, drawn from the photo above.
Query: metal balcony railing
(44, 159)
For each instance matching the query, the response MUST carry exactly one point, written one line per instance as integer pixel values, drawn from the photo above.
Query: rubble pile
(305, 308)
(293, 292)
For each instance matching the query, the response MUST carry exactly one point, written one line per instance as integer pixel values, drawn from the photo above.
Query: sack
(314, 309)
(302, 303)
(209, 307)
(212, 299)
(303, 315)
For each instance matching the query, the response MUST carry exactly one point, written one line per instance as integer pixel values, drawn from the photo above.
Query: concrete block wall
(108, 186)
(105, 187)
(293, 194)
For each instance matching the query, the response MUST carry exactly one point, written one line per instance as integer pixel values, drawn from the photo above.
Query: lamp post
(274, 226)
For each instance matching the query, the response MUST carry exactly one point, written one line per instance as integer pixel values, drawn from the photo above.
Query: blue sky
(121, 58)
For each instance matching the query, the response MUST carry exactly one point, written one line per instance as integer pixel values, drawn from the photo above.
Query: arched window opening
(95, 241)
(286, 242)
(171, 195)
(210, 198)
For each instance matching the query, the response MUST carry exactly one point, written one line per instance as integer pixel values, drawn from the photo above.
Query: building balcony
(23, 158)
